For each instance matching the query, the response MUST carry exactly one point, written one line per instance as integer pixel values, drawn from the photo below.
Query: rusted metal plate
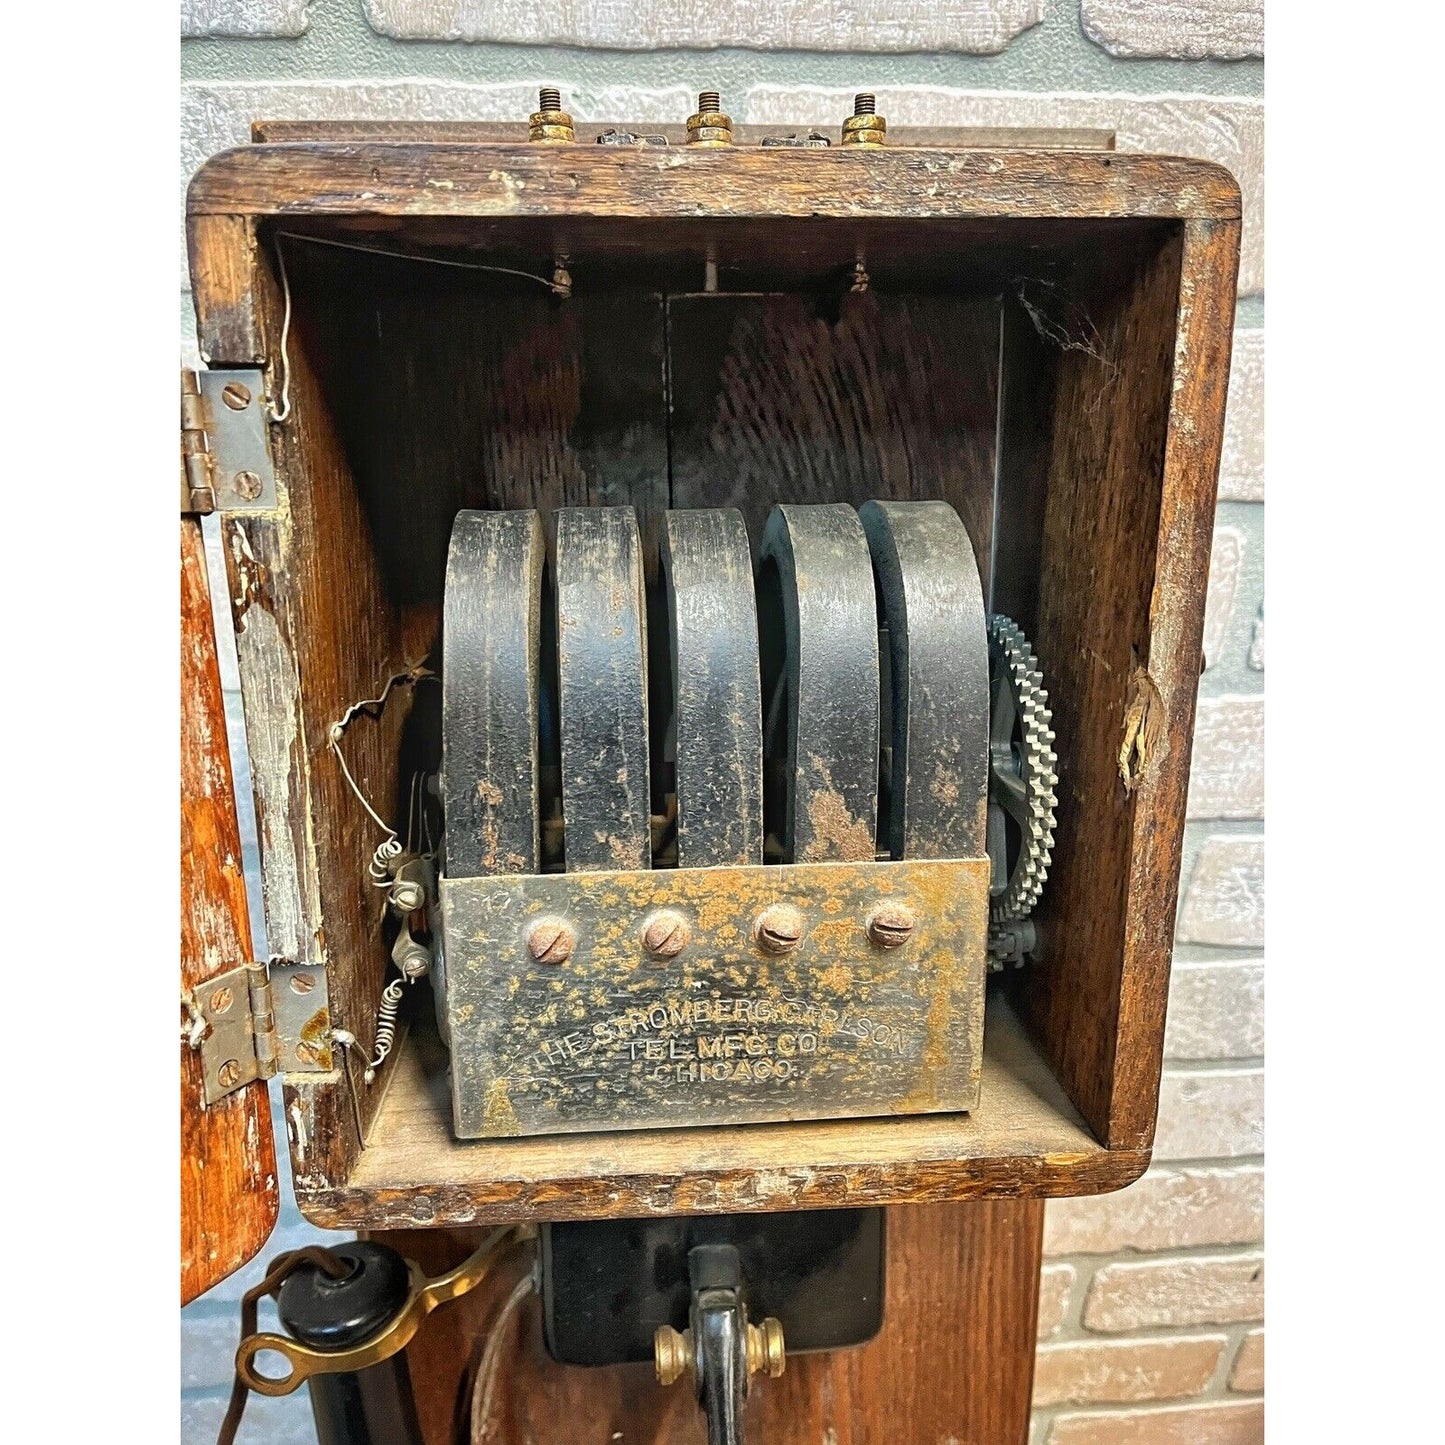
(707, 570)
(818, 632)
(613, 1037)
(931, 600)
(602, 686)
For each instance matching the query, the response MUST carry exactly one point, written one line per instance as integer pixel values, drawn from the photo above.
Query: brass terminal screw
(549, 940)
(709, 128)
(671, 1353)
(549, 123)
(779, 928)
(865, 127)
(765, 1348)
(890, 925)
(666, 933)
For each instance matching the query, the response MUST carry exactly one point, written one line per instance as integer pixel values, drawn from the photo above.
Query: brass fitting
(550, 124)
(865, 127)
(709, 128)
(672, 1355)
(765, 1348)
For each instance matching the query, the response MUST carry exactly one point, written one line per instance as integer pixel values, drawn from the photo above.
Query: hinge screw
(248, 485)
(709, 128)
(229, 1074)
(221, 1000)
(551, 941)
(865, 127)
(302, 983)
(550, 124)
(236, 396)
(779, 929)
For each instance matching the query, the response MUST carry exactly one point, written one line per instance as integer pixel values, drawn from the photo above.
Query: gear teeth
(1014, 658)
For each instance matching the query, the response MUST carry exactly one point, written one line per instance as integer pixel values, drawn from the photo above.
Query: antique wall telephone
(647, 572)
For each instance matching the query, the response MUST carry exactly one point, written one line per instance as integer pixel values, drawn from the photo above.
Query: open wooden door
(229, 1192)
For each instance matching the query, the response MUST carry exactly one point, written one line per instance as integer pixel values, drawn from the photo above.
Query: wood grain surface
(1122, 556)
(1024, 1139)
(953, 1361)
(509, 180)
(229, 1193)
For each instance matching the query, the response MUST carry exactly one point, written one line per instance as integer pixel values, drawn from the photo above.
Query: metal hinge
(225, 442)
(233, 1028)
(198, 493)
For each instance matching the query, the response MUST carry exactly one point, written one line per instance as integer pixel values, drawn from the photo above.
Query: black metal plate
(608, 1284)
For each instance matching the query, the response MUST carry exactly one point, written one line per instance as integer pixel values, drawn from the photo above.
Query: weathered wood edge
(224, 267)
(294, 678)
(228, 1183)
(724, 1191)
(1193, 447)
(500, 180)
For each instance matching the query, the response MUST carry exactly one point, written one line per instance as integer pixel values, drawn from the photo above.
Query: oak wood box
(1039, 336)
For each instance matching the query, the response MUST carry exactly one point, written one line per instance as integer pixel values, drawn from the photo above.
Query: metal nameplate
(563, 1020)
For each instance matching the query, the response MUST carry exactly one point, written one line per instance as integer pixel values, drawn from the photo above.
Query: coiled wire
(385, 1026)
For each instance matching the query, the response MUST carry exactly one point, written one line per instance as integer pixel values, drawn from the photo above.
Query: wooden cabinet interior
(1040, 338)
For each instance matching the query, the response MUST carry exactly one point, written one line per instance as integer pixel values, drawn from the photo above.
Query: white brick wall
(256, 18)
(982, 27)
(1179, 29)
(1150, 1299)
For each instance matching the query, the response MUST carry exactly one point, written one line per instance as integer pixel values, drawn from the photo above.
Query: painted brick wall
(1152, 1301)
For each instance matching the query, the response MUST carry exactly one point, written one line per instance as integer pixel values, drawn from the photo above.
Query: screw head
(236, 396)
(551, 940)
(408, 896)
(666, 933)
(307, 1052)
(302, 983)
(229, 1074)
(890, 925)
(221, 1000)
(248, 485)
(779, 928)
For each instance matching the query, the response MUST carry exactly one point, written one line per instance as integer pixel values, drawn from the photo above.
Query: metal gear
(1023, 774)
